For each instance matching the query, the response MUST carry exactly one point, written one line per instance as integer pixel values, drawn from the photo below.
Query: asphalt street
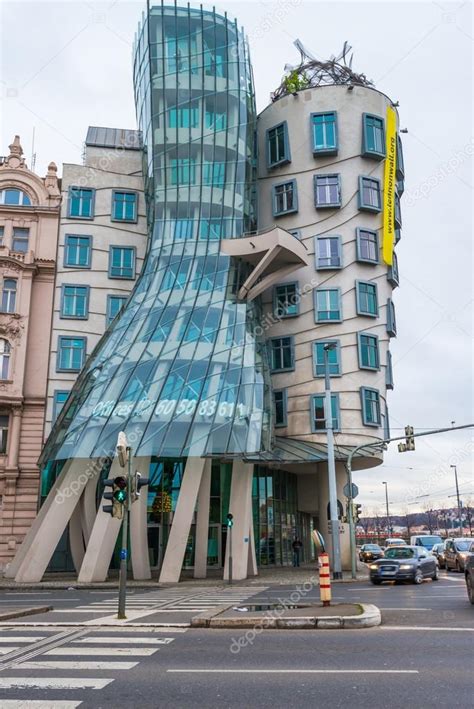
(421, 656)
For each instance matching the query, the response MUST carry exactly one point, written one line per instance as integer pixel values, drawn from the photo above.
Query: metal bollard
(324, 579)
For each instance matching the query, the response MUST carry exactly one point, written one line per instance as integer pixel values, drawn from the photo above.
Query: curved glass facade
(181, 369)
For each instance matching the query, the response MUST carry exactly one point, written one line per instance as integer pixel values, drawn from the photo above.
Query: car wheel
(470, 589)
(435, 576)
(418, 577)
(376, 582)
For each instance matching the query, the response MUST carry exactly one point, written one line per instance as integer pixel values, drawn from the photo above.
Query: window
(215, 59)
(286, 300)
(5, 351)
(183, 229)
(185, 117)
(115, 304)
(281, 407)
(213, 173)
(400, 169)
(389, 371)
(397, 211)
(75, 302)
(176, 276)
(20, 240)
(3, 434)
(59, 399)
(318, 419)
(334, 358)
(369, 194)
(15, 198)
(71, 354)
(370, 406)
(366, 299)
(328, 305)
(81, 203)
(327, 191)
(2, 230)
(124, 206)
(367, 243)
(210, 229)
(9, 295)
(77, 251)
(324, 127)
(368, 347)
(285, 198)
(282, 356)
(122, 262)
(328, 252)
(373, 137)
(181, 53)
(391, 319)
(216, 120)
(183, 171)
(392, 272)
(278, 147)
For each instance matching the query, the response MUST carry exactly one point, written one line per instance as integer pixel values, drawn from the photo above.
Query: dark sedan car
(456, 551)
(469, 574)
(370, 552)
(438, 552)
(404, 564)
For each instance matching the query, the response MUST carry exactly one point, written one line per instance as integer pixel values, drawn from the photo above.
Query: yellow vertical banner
(389, 186)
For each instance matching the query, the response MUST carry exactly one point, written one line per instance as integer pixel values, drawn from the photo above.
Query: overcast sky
(67, 65)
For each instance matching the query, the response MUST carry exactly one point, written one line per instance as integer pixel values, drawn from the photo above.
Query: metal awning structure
(291, 451)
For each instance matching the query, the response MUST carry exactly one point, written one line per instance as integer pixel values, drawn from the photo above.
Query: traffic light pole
(124, 550)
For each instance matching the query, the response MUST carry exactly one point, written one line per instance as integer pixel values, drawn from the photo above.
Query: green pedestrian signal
(230, 520)
(118, 496)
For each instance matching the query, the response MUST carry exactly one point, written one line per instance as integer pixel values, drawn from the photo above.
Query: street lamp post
(333, 510)
(389, 524)
(459, 501)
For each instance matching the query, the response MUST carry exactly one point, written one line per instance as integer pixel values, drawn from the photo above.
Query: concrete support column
(139, 526)
(76, 538)
(323, 495)
(240, 506)
(183, 516)
(202, 522)
(14, 442)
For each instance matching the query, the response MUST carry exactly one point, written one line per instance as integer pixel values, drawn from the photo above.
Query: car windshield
(400, 553)
(371, 547)
(428, 541)
(463, 545)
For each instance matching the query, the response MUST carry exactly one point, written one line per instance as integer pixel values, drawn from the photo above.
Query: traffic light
(356, 512)
(117, 495)
(410, 441)
(138, 481)
(230, 520)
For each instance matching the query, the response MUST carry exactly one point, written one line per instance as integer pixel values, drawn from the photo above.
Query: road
(421, 656)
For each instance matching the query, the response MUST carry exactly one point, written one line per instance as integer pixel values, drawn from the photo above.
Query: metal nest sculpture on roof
(312, 72)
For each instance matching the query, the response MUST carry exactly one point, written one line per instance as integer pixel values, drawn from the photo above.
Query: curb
(369, 618)
(24, 611)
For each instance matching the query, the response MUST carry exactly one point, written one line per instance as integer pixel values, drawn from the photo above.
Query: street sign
(346, 490)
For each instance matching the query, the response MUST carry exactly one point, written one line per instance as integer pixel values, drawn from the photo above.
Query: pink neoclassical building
(29, 215)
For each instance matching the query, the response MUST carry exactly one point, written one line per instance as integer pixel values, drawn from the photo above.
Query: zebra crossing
(36, 669)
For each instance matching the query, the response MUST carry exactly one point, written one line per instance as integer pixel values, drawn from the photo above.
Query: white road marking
(405, 609)
(75, 665)
(53, 683)
(21, 639)
(6, 650)
(289, 672)
(424, 627)
(111, 640)
(110, 652)
(37, 704)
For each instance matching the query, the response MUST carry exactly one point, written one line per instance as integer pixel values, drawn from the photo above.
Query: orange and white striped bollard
(324, 579)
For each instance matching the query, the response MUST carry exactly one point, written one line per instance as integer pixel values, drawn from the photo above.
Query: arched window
(8, 295)
(5, 352)
(14, 197)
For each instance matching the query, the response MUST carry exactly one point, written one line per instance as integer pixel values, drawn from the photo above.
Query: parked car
(404, 563)
(456, 552)
(438, 552)
(425, 540)
(394, 542)
(369, 552)
(469, 574)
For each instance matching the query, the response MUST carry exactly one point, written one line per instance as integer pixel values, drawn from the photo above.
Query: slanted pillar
(139, 527)
(202, 522)
(240, 506)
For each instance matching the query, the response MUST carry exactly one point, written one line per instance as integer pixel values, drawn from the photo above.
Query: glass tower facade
(180, 369)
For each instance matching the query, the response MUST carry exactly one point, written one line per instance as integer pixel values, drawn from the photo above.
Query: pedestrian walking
(297, 545)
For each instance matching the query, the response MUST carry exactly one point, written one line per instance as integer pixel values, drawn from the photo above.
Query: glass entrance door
(155, 545)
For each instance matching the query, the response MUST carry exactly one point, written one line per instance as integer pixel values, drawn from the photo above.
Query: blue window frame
(327, 191)
(183, 171)
(75, 302)
(211, 229)
(184, 117)
(318, 419)
(286, 300)
(369, 198)
(370, 399)
(389, 371)
(284, 198)
(14, 197)
(368, 351)
(373, 136)
(400, 167)
(328, 252)
(213, 173)
(184, 229)
(367, 245)
(122, 262)
(397, 212)
(391, 319)
(81, 203)
(77, 251)
(334, 357)
(367, 299)
(280, 398)
(59, 399)
(71, 353)
(392, 272)
(124, 206)
(282, 354)
(327, 305)
(115, 304)
(278, 146)
(324, 131)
